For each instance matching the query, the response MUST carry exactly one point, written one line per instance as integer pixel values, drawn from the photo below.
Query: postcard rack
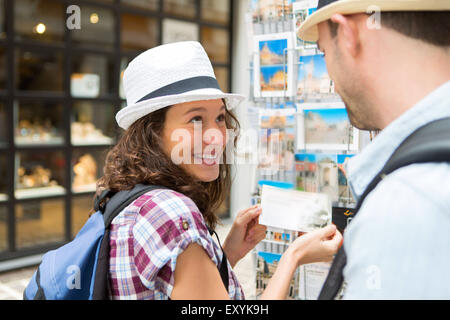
(292, 94)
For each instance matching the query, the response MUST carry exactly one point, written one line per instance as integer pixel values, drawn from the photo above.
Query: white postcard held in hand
(294, 210)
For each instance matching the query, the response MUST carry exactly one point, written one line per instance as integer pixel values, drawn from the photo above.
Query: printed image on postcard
(294, 210)
(301, 10)
(273, 74)
(327, 127)
(313, 81)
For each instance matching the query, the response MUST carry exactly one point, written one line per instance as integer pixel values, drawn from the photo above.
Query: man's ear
(347, 34)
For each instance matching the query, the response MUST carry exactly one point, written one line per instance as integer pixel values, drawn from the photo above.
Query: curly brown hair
(138, 158)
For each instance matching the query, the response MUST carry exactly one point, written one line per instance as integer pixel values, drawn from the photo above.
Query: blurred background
(61, 65)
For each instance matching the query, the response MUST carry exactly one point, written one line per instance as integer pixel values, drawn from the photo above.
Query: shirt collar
(363, 168)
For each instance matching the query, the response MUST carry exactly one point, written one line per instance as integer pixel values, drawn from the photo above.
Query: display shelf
(40, 192)
(87, 188)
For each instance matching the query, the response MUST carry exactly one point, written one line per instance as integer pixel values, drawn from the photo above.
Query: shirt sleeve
(397, 245)
(166, 225)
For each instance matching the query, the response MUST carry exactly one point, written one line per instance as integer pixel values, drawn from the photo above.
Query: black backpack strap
(117, 202)
(223, 268)
(429, 143)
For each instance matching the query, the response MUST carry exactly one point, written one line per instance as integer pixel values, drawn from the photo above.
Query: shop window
(142, 4)
(96, 28)
(139, 32)
(93, 123)
(216, 11)
(41, 20)
(39, 174)
(39, 71)
(92, 76)
(222, 77)
(182, 8)
(3, 227)
(39, 222)
(38, 123)
(216, 44)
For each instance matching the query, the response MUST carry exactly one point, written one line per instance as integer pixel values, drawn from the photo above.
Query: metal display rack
(268, 252)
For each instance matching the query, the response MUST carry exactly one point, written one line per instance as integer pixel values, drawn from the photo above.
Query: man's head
(373, 58)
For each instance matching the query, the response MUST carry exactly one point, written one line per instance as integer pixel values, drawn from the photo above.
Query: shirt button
(185, 225)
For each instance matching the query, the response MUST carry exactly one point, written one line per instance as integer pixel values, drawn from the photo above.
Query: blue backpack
(79, 269)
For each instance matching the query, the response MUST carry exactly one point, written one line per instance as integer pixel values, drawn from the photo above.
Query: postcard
(345, 194)
(276, 139)
(327, 127)
(327, 170)
(306, 172)
(270, 10)
(313, 81)
(272, 65)
(301, 10)
(311, 279)
(294, 210)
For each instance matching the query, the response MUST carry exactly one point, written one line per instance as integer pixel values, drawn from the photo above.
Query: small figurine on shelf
(33, 131)
(39, 177)
(85, 171)
(87, 133)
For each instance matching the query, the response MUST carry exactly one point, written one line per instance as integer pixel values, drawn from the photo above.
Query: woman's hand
(316, 246)
(244, 235)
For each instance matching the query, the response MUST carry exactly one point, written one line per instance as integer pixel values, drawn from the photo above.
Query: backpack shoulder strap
(120, 200)
(429, 143)
(117, 202)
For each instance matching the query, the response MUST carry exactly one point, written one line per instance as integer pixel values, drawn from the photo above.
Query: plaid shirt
(146, 239)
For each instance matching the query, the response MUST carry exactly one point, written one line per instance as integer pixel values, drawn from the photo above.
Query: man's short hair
(429, 26)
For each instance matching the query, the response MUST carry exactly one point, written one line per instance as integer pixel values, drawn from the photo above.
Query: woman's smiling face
(194, 137)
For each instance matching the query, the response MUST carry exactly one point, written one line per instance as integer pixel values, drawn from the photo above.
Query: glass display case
(92, 76)
(182, 8)
(142, 4)
(38, 70)
(3, 227)
(216, 11)
(39, 222)
(93, 123)
(138, 32)
(96, 27)
(39, 174)
(60, 89)
(216, 44)
(40, 20)
(87, 168)
(81, 208)
(38, 122)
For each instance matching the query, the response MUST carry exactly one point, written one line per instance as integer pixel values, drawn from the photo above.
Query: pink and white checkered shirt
(146, 239)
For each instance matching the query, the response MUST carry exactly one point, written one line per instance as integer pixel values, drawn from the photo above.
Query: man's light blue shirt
(398, 246)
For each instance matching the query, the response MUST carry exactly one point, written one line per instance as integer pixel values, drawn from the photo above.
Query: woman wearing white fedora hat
(161, 244)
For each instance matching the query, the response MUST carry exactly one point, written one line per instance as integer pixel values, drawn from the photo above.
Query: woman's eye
(221, 117)
(196, 119)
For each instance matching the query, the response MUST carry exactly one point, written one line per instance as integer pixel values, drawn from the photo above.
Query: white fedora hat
(166, 75)
(308, 30)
